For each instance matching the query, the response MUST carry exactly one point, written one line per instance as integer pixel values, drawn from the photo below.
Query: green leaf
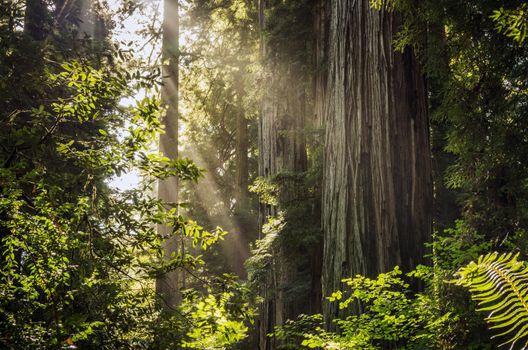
(499, 283)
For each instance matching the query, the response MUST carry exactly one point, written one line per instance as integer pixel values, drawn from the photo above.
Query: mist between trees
(303, 174)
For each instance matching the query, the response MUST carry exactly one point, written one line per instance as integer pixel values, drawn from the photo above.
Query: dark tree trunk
(377, 183)
(285, 107)
(37, 20)
(320, 74)
(320, 60)
(168, 286)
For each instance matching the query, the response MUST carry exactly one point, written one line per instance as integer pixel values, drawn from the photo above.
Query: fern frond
(499, 284)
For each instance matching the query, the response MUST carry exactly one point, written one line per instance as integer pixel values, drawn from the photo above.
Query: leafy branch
(499, 284)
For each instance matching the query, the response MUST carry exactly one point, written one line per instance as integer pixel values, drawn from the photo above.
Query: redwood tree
(377, 187)
(291, 285)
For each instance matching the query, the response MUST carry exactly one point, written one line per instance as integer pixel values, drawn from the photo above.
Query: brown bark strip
(282, 149)
(377, 187)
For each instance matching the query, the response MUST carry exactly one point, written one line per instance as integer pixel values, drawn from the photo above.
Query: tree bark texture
(320, 59)
(282, 149)
(168, 286)
(377, 182)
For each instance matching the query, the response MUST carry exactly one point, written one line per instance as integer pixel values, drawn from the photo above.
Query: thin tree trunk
(319, 81)
(242, 136)
(320, 60)
(36, 20)
(242, 207)
(168, 286)
(377, 183)
(242, 145)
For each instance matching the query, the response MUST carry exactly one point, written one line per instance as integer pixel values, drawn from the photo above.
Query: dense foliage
(391, 316)
(498, 283)
(474, 57)
(219, 109)
(79, 258)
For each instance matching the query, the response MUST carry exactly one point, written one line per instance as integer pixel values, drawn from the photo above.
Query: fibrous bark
(377, 187)
(285, 107)
(320, 64)
(282, 149)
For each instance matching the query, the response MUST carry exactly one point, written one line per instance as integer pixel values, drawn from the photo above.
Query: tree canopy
(298, 174)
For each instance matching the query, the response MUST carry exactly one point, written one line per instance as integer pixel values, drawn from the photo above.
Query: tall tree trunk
(320, 75)
(242, 146)
(282, 150)
(168, 285)
(377, 183)
(242, 212)
(320, 60)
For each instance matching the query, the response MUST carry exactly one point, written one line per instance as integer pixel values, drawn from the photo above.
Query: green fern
(499, 283)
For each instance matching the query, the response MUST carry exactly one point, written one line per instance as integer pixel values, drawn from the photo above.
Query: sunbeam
(235, 247)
